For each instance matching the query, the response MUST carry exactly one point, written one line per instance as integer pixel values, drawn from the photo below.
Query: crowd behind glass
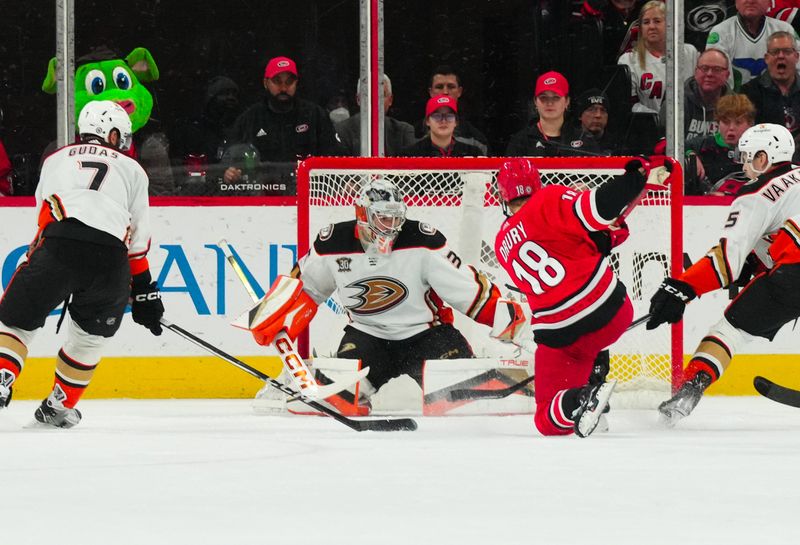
(245, 137)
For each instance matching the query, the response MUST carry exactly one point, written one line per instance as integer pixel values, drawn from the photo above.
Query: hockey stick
(473, 393)
(776, 392)
(293, 363)
(476, 393)
(383, 424)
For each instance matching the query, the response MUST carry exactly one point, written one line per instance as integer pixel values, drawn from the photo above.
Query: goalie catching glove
(285, 307)
(511, 325)
(146, 306)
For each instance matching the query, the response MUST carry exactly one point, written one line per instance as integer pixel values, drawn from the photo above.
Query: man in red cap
(547, 134)
(283, 127)
(441, 117)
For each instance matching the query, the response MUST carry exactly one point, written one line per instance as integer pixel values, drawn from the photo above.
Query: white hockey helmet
(99, 117)
(380, 212)
(774, 140)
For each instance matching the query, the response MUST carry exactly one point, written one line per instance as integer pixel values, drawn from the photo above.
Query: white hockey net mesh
(462, 203)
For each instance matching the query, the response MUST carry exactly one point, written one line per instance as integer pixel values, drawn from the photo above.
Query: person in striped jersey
(760, 249)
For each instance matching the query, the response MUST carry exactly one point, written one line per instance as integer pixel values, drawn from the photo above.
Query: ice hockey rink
(203, 472)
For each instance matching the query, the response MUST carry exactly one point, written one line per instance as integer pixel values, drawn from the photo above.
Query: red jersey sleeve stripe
(586, 210)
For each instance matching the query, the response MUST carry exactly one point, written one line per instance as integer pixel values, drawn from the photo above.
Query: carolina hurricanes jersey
(764, 218)
(746, 52)
(401, 294)
(102, 188)
(548, 252)
(648, 82)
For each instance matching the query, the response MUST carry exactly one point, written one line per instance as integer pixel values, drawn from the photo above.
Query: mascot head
(102, 75)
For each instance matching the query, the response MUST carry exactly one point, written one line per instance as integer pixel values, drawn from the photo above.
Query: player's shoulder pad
(418, 234)
(338, 238)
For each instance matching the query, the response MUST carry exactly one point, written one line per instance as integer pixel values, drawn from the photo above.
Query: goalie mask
(100, 117)
(517, 178)
(380, 214)
(774, 140)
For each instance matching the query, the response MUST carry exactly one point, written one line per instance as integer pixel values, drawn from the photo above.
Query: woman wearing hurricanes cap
(545, 135)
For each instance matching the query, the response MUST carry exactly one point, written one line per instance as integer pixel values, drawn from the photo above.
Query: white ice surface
(210, 472)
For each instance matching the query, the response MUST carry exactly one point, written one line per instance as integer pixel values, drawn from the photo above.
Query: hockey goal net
(459, 197)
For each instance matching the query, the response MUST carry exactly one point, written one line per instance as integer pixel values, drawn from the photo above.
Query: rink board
(202, 295)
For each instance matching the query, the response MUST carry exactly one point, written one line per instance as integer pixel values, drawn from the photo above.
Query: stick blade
(388, 424)
(776, 392)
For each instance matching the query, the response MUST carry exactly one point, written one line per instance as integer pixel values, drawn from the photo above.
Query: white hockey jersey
(99, 186)
(398, 295)
(760, 211)
(648, 82)
(745, 52)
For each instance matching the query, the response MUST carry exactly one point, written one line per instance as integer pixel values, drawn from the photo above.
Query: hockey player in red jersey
(90, 250)
(761, 235)
(395, 277)
(555, 246)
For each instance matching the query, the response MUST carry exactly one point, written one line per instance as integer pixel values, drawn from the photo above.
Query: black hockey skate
(593, 403)
(6, 390)
(57, 416)
(683, 403)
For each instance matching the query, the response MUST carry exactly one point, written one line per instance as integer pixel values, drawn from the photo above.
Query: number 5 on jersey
(534, 266)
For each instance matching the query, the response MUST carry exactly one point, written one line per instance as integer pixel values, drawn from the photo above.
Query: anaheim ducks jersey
(102, 188)
(398, 295)
(547, 250)
(765, 219)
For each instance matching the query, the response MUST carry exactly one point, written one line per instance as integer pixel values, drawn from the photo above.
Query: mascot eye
(95, 82)
(122, 78)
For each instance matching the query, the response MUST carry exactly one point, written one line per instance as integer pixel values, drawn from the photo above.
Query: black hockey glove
(146, 306)
(669, 302)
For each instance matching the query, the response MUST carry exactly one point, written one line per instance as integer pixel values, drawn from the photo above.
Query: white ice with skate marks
(199, 472)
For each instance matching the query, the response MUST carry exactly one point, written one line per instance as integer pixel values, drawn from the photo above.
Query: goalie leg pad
(285, 307)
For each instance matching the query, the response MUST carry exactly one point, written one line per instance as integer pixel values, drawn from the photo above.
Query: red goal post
(459, 197)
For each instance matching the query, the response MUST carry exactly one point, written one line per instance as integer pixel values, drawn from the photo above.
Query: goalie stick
(294, 365)
(382, 424)
(478, 393)
(776, 392)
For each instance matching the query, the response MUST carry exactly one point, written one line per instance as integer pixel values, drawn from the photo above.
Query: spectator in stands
(398, 135)
(616, 18)
(703, 91)
(205, 137)
(592, 136)
(717, 169)
(776, 92)
(445, 81)
(338, 109)
(743, 38)
(786, 10)
(647, 63)
(441, 117)
(547, 134)
(283, 127)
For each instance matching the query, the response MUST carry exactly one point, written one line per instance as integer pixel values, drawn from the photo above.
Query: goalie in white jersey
(760, 238)
(393, 276)
(89, 253)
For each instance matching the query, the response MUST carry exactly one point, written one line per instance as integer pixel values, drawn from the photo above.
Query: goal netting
(459, 197)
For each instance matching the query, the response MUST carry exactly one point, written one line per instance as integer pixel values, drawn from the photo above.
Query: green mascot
(103, 75)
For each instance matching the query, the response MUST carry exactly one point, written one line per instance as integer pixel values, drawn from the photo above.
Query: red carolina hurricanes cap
(278, 65)
(439, 101)
(552, 81)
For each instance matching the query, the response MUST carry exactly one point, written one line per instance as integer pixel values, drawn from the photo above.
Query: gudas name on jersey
(100, 151)
(514, 236)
